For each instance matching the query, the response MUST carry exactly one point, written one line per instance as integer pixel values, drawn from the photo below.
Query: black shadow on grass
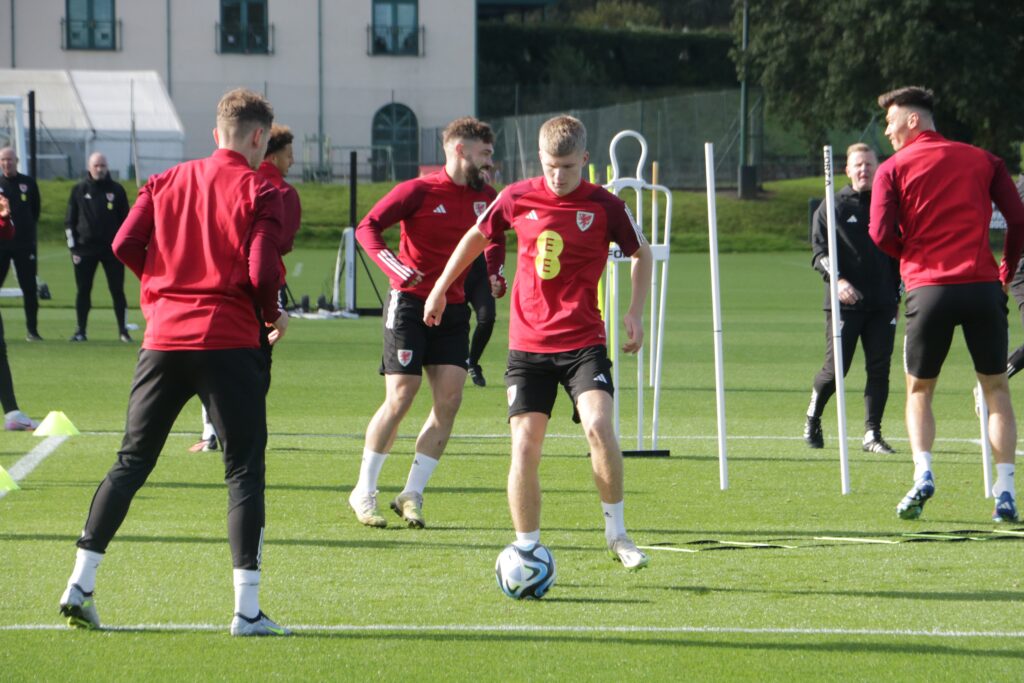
(872, 647)
(1009, 597)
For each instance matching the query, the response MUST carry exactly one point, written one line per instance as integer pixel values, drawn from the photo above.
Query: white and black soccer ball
(525, 569)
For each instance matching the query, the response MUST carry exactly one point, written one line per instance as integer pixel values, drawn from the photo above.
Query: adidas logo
(601, 378)
(532, 216)
(440, 209)
(851, 219)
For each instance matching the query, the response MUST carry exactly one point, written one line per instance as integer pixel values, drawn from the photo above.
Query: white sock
(84, 573)
(528, 536)
(922, 464)
(247, 592)
(419, 474)
(369, 470)
(1004, 480)
(208, 429)
(614, 520)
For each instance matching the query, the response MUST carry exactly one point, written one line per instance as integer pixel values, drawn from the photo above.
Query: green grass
(775, 221)
(387, 604)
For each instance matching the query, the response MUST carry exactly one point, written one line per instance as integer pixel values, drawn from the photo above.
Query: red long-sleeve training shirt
(931, 204)
(291, 207)
(203, 239)
(435, 213)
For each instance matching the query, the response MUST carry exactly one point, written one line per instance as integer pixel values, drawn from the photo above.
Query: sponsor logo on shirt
(440, 209)
(404, 357)
(584, 219)
(851, 219)
(511, 393)
(478, 207)
(532, 216)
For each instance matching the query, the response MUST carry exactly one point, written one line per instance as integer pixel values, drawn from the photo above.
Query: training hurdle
(658, 237)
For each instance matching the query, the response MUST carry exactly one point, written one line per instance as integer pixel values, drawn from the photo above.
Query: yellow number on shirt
(549, 246)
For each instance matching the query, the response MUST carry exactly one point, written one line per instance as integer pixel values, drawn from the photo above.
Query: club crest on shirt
(404, 357)
(511, 393)
(110, 196)
(23, 187)
(478, 207)
(584, 219)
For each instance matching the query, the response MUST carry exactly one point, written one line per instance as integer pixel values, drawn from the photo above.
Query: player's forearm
(470, 246)
(640, 279)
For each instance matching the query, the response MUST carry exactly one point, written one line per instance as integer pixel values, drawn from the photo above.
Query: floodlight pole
(837, 323)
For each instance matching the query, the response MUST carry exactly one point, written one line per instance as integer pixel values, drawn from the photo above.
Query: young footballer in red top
(931, 203)
(434, 212)
(564, 225)
(202, 237)
(274, 167)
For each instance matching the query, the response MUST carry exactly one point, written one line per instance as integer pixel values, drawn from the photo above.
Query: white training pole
(837, 323)
(986, 446)
(716, 305)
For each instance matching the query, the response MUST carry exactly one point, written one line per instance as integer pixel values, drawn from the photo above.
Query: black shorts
(409, 344)
(532, 379)
(933, 312)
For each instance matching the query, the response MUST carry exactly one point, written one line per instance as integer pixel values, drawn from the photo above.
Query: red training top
(292, 210)
(563, 249)
(6, 228)
(434, 213)
(202, 238)
(931, 204)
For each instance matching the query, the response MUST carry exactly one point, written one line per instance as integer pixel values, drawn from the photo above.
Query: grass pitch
(778, 577)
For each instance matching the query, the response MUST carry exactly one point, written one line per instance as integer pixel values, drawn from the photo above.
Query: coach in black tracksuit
(23, 196)
(1015, 363)
(869, 297)
(97, 207)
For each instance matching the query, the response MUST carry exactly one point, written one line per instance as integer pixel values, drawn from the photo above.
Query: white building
(363, 75)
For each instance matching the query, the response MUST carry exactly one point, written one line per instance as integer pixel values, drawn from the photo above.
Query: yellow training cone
(7, 482)
(56, 424)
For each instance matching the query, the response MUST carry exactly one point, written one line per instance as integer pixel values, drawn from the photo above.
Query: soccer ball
(525, 569)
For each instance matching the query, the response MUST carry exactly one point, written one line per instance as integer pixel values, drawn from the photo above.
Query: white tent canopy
(81, 112)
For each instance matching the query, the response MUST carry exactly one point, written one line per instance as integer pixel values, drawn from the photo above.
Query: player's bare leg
(400, 390)
(921, 430)
(1002, 434)
(528, 431)
(595, 408)
(446, 383)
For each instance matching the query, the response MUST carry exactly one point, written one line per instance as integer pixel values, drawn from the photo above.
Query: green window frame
(395, 29)
(244, 27)
(90, 25)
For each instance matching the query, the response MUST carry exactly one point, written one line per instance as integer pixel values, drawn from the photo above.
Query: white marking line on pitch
(854, 540)
(507, 628)
(672, 550)
(31, 460)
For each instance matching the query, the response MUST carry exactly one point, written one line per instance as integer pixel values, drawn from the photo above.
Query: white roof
(96, 100)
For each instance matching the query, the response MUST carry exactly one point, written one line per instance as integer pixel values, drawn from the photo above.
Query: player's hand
(433, 308)
(848, 294)
(5, 207)
(413, 280)
(498, 286)
(634, 333)
(279, 327)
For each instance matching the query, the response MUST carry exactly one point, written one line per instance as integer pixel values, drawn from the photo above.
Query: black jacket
(23, 195)
(875, 275)
(96, 210)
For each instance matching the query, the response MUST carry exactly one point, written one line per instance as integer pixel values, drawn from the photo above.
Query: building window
(395, 127)
(244, 28)
(395, 29)
(90, 25)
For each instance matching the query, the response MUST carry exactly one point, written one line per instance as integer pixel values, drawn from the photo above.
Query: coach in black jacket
(97, 207)
(22, 194)
(869, 298)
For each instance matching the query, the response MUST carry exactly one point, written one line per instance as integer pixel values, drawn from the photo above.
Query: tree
(823, 64)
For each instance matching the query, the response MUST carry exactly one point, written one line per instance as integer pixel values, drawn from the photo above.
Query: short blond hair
(244, 109)
(563, 135)
(859, 147)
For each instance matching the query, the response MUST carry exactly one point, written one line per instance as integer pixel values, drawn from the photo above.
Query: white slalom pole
(716, 305)
(837, 323)
(986, 446)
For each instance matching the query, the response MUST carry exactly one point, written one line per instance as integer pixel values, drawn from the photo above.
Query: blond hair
(244, 109)
(859, 147)
(563, 135)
